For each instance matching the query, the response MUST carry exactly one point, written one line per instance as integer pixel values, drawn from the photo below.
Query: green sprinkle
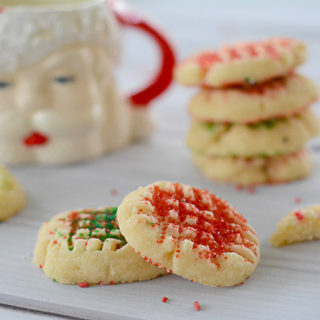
(54, 280)
(208, 126)
(263, 155)
(105, 220)
(250, 81)
(268, 124)
(278, 154)
(150, 223)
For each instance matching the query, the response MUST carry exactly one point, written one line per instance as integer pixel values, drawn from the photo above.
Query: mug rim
(51, 5)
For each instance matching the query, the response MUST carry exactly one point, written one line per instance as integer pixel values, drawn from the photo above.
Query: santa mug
(58, 99)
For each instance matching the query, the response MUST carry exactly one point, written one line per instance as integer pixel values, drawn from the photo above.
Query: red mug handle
(127, 17)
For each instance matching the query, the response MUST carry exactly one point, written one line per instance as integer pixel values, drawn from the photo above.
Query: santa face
(64, 108)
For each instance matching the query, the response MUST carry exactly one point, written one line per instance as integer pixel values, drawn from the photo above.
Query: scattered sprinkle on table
(164, 299)
(298, 200)
(196, 306)
(83, 284)
(251, 190)
(113, 192)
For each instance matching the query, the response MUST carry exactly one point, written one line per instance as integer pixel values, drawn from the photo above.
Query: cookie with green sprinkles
(86, 247)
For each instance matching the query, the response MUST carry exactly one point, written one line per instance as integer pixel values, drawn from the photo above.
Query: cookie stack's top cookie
(242, 63)
(250, 105)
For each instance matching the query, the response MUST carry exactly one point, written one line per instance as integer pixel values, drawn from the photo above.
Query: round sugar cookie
(86, 246)
(253, 171)
(242, 63)
(262, 139)
(12, 196)
(298, 226)
(189, 232)
(280, 97)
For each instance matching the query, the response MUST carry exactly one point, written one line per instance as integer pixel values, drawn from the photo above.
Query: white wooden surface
(286, 284)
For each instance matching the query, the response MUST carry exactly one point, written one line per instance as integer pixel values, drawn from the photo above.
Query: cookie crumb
(164, 299)
(298, 200)
(83, 284)
(196, 306)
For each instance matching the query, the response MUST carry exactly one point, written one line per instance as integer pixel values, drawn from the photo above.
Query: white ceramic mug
(58, 99)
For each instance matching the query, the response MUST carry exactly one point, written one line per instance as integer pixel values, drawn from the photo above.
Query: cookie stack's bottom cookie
(253, 171)
(251, 116)
(87, 246)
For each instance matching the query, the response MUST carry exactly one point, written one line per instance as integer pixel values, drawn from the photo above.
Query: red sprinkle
(55, 241)
(251, 190)
(221, 225)
(196, 306)
(41, 266)
(34, 139)
(113, 192)
(239, 187)
(298, 200)
(299, 215)
(164, 299)
(83, 284)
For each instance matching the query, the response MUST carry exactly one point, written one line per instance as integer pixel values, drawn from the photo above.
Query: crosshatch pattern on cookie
(270, 48)
(88, 224)
(213, 226)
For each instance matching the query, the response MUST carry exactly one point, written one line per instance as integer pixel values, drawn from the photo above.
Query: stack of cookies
(251, 117)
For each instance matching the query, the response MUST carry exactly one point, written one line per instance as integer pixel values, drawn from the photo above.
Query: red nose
(35, 139)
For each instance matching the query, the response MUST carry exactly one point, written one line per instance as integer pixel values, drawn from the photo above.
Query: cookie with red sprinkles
(189, 232)
(297, 226)
(242, 63)
(86, 247)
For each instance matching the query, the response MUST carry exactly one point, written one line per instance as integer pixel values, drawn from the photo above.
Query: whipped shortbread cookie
(86, 246)
(12, 196)
(297, 226)
(189, 232)
(252, 171)
(241, 63)
(275, 98)
(262, 139)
